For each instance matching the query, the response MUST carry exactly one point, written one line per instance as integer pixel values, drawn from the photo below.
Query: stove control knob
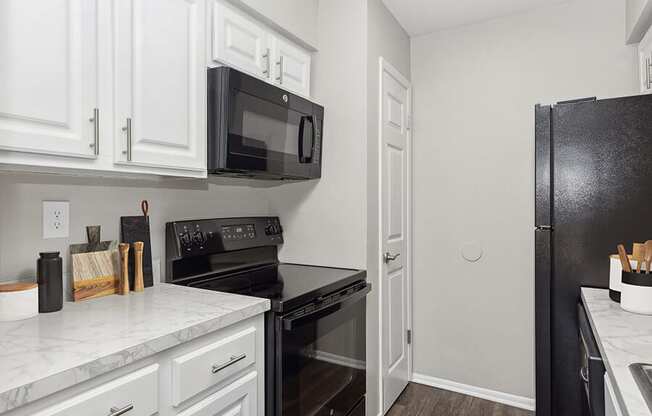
(185, 239)
(199, 238)
(269, 230)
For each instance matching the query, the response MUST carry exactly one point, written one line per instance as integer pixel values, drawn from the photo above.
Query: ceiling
(419, 17)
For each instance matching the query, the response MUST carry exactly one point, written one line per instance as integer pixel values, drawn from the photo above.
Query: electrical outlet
(56, 219)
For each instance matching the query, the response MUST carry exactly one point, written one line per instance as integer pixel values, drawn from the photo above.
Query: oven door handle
(302, 151)
(320, 312)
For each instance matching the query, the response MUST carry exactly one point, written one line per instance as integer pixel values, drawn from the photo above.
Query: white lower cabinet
(610, 401)
(218, 374)
(135, 394)
(237, 399)
(204, 367)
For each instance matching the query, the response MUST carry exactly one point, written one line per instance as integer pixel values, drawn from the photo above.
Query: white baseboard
(482, 393)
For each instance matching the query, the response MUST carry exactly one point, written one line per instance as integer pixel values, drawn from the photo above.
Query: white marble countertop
(624, 338)
(48, 353)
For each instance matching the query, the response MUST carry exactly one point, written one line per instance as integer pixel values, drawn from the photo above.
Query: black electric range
(315, 352)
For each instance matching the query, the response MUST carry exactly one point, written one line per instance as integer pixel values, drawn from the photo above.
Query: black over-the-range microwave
(256, 129)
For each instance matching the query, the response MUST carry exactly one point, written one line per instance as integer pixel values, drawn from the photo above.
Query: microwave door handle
(320, 312)
(302, 151)
(302, 125)
(312, 137)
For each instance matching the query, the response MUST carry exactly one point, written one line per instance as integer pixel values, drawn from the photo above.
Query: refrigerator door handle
(543, 228)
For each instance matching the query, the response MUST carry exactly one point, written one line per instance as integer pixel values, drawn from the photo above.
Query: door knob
(387, 257)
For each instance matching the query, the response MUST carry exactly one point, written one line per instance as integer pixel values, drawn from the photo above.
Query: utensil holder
(636, 294)
(615, 276)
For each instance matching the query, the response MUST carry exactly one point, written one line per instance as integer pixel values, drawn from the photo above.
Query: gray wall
(386, 38)
(101, 201)
(475, 89)
(326, 219)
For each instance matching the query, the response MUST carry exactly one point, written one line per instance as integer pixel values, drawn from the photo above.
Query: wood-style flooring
(420, 400)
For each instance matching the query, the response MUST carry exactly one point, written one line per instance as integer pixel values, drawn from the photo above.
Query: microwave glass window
(278, 135)
(262, 129)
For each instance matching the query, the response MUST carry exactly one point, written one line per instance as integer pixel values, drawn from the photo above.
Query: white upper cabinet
(240, 41)
(160, 83)
(48, 76)
(291, 66)
(645, 63)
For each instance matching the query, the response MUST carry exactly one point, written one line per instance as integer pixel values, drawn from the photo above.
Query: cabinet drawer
(212, 364)
(237, 399)
(135, 394)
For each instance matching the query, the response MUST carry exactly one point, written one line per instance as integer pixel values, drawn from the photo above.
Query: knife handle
(124, 269)
(139, 283)
(624, 261)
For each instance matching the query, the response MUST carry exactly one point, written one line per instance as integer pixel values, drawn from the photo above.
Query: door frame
(385, 66)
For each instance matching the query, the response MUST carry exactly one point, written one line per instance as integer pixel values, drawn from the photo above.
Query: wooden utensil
(134, 229)
(648, 256)
(139, 284)
(624, 261)
(638, 254)
(124, 269)
(95, 268)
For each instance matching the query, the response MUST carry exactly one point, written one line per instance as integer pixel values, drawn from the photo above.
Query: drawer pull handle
(117, 411)
(234, 359)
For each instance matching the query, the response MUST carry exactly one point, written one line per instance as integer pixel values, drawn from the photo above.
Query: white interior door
(161, 83)
(395, 231)
(48, 76)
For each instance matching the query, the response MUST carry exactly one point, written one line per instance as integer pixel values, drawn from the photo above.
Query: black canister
(49, 272)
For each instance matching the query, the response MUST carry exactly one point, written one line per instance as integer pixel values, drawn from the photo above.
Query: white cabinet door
(48, 76)
(291, 66)
(239, 41)
(610, 402)
(135, 394)
(160, 83)
(645, 63)
(237, 399)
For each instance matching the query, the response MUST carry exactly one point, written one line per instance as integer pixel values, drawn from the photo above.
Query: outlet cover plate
(56, 219)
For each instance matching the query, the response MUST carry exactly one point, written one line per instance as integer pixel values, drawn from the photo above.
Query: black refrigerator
(593, 191)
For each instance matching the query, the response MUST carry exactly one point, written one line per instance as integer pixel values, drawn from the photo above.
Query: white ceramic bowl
(18, 301)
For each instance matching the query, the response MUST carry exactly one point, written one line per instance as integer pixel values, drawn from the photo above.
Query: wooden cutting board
(95, 267)
(95, 274)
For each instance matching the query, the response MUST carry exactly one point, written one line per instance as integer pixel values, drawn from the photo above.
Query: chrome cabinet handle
(387, 257)
(279, 78)
(96, 131)
(268, 58)
(583, 374)
(234, 359)
(115, 411)
(127, 128)
(648, 76)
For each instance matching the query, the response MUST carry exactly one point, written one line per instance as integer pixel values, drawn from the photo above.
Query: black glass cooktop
(288, 286)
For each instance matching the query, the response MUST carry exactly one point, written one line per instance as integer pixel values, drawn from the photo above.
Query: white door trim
(385, 66)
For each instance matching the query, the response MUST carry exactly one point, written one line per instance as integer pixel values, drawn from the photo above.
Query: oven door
(321, 357)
